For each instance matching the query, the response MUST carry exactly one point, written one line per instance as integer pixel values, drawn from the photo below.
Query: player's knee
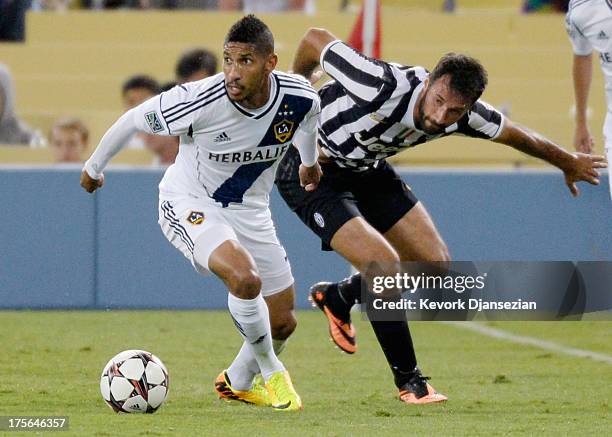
(384, 262)
(440, 255)
(245, 284)
(283, 328)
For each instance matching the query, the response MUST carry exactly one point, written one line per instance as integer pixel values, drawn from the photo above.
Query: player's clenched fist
(90, 184)
(310, 176)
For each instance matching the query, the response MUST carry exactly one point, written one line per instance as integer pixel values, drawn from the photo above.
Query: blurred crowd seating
(74, 63)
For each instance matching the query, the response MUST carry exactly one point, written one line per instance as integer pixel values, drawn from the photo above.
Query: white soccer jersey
(589, 25)
(227, 153)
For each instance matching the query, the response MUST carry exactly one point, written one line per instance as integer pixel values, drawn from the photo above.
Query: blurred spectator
(164, 148)
(262, 7)
(12, 130)
(545, 5)
(196, 64)
(150, 4)
(12, 19)
(50, 5)
(167, 86)
(137, 89)
(69, 139)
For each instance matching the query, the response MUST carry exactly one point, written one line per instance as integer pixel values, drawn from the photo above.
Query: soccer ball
(134, 381)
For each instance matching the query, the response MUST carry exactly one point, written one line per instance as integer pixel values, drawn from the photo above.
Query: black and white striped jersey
(367, 110)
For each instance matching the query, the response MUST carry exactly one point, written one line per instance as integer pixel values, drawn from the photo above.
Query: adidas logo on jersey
(602, 35)
(222, 138)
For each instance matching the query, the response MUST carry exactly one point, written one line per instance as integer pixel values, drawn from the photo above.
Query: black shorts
(378, 195)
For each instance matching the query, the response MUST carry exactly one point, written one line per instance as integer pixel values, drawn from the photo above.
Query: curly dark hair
(467, 75)
(252, 30)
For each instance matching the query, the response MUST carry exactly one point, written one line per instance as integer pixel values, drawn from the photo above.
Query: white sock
(244, 367)
(253, 321)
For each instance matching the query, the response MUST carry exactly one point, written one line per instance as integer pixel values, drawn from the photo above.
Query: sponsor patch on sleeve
(153, 122)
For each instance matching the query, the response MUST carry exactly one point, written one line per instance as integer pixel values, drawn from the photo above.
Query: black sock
(336, 304)
(350, 289)
(395, 340)
(340, 296)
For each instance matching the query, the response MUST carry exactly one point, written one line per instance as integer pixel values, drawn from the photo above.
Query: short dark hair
(252, 30)
(467, 75)
(194, 60)
(141, 81)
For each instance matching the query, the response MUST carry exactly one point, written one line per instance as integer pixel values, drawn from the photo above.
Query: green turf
(51, 361)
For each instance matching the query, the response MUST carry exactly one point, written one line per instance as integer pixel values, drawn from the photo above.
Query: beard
(419, 122)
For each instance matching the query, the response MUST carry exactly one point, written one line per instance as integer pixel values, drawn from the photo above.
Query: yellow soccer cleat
(282, 394)
(257, 395)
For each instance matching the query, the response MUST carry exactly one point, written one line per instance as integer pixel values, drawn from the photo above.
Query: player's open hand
(90, 184)
(585, 168)
(310, 176)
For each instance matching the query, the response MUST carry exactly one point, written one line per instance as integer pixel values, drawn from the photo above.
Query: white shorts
(188, 221)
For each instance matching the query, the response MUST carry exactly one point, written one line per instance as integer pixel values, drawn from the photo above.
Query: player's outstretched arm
(582, 73)
(309, 51)
(576, 167)
(112, 142)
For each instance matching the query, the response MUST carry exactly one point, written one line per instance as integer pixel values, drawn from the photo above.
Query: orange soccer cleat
(341, 330)
(418, 391)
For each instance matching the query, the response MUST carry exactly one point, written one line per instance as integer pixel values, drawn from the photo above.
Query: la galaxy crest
(195, 217)
(283, 130)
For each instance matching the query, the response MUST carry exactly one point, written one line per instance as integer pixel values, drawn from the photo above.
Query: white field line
(531, 341)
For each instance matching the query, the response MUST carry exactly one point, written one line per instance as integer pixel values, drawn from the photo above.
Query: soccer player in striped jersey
(361, 208)
(234, 128)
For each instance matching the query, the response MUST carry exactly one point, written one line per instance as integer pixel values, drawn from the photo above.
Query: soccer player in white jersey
(361, 208)
(234, 128)
(589, 25)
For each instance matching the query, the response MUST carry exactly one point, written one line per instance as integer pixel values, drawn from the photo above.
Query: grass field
(51, 361)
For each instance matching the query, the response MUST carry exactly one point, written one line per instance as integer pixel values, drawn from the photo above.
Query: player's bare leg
(233, 264)
(394, 337)
(360, 244)
(415, 237)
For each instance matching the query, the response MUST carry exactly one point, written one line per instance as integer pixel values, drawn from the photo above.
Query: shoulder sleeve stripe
(301, 88)
(298, 79)
(187, 109)
(168, 112)
(192, 109)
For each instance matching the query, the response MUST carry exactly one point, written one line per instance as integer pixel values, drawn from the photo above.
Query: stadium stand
(57, 74)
